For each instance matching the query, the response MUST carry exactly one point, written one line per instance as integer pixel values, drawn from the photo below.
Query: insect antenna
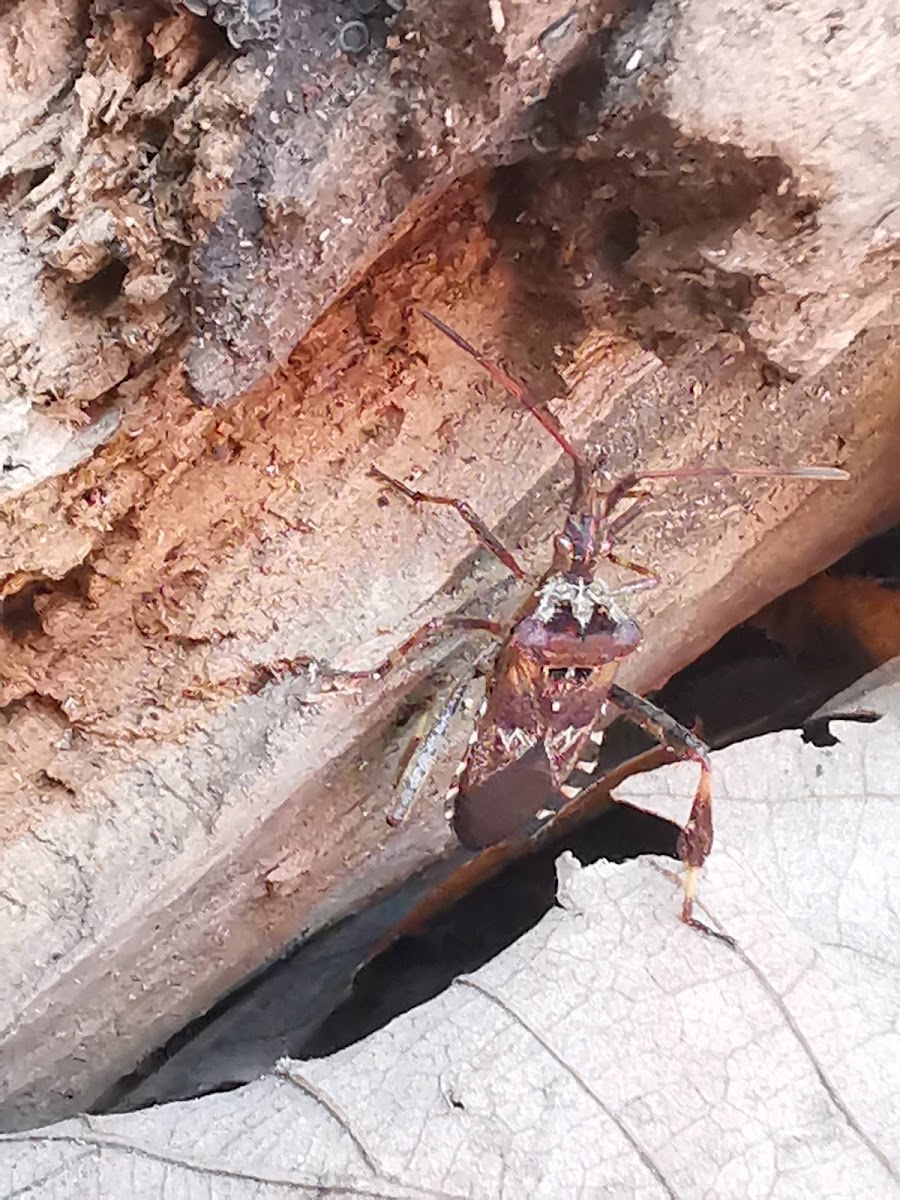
(609, 528)
(515, 389)
(624, 487)
(745, 473)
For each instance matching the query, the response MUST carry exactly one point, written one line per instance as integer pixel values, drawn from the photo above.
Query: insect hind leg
(696, 838)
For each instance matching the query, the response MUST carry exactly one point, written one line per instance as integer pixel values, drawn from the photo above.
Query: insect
(552, 687)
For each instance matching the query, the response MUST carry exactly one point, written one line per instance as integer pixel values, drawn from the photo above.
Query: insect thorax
(584, 599)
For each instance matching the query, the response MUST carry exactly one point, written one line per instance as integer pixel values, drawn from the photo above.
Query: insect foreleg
(696, 838)
(471, 518)
(650, 578)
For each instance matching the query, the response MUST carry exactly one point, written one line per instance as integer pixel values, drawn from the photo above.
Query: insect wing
(573, 703)
(530, 737)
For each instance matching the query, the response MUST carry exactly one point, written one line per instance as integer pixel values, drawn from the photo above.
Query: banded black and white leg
(421, 755)
(426, 743)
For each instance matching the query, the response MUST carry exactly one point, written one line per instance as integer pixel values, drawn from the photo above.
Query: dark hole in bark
(103, 289)
(38, 176)
(20, 611)
(155, 132)
(619, 239)
(18, 614)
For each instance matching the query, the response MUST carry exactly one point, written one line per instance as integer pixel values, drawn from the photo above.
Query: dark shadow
(100, 292)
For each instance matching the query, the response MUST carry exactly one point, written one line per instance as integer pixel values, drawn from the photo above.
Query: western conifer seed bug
(552, 687)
